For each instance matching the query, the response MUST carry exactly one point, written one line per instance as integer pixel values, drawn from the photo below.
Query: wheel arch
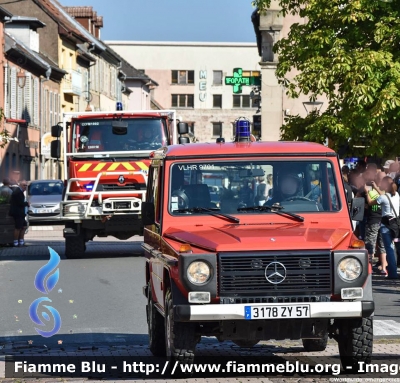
(169, 284)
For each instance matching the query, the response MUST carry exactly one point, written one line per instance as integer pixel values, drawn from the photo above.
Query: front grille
(285, 299)
(128, 186)
(44, 214)
(307, 273)
(43, 206)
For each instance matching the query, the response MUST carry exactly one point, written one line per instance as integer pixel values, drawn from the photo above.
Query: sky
(174, 20)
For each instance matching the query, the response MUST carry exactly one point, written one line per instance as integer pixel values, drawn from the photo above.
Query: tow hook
(106, 218)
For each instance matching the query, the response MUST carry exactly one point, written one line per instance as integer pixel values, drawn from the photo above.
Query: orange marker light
(185, 248)
(357, 244)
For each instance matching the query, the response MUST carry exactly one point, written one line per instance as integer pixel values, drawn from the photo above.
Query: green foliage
(4, 133)
(348, 50)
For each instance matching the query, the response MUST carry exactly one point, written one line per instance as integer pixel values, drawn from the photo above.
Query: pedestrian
(361, 166)
(355, 181)
(373, 218)
(5, 190)
(261, 192)
(18, 210)
(389, 202)
(372, 167)
(246, 195)
(346, 184)
(389, 167)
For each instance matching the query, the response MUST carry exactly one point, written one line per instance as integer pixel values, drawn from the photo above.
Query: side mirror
(184, 140)
(56, 131)
(357, 209)
(55, 149)
(183, 128)
(148, 213)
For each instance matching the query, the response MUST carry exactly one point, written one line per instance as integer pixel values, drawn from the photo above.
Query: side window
(154, 189)
(323, 186)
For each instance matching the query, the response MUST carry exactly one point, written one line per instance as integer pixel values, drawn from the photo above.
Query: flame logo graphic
(33, 309)
(45, 281)
(43, 285)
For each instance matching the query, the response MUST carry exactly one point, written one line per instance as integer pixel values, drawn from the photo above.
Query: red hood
(260, 237)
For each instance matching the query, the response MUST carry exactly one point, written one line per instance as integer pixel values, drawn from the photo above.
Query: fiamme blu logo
(45, 281)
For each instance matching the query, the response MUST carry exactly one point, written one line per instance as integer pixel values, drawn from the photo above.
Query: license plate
(42, 211)
(277, 312)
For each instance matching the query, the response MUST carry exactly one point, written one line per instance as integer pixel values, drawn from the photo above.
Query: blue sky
(174, 20)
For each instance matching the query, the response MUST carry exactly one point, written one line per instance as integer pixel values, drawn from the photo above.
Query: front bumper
(320, 310)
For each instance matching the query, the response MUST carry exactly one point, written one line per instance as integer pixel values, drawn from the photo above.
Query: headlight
(349, 269)
(74, 209)
(198, 273)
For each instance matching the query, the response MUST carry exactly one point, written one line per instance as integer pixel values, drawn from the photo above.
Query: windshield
(45, 188)
(100, 136)
(230, 187)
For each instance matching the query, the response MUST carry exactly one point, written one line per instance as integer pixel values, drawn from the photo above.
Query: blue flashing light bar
(119, 106)
(242, 130)
(89, 186)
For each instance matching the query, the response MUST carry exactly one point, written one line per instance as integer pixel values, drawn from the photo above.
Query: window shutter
(27, 105)
(6, 92)
(36, 96)
(13, 87)
(20, 106)
(59, 106)
(55, 119)
(51, 109)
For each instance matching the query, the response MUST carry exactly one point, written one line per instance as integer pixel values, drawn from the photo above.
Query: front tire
(180, 337)
(156, 329)
(315, 344)
(355, 342)
(75, 247)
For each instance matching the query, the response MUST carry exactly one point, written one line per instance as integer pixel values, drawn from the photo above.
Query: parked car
(44, 197)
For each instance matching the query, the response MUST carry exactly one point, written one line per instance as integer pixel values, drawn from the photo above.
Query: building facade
(54, 62)
(29, 80)
(192, 80)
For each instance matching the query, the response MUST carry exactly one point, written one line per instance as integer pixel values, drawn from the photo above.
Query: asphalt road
(100, 299)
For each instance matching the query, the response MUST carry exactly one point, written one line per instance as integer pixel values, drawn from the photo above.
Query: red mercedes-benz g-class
(251, 241)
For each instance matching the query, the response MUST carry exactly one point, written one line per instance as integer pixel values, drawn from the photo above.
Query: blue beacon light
(242, 130)
(119, 106)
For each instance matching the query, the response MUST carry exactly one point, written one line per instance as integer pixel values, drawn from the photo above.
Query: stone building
(192, 80)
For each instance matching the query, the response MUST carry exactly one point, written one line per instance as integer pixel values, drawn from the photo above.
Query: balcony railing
(72, 83)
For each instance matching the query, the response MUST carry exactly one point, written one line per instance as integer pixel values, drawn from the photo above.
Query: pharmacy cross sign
(238, 80)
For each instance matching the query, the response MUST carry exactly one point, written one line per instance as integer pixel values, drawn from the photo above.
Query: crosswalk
(42, 228)
(386, 328)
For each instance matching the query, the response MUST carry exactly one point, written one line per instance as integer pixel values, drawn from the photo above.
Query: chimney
(88, 18)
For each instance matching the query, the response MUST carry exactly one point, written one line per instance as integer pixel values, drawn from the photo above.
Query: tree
(348, 50)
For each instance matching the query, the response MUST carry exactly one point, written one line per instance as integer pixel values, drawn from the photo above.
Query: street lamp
(21, 77)
(310, 106)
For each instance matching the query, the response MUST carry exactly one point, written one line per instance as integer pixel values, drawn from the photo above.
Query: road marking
(386, 327)
(41, 228)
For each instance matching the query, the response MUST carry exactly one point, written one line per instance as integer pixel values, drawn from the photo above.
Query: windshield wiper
(210, 211)
(274, 209)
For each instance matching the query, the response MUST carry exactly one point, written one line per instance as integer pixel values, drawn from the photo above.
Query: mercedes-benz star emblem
(121, 179)
(275, 273)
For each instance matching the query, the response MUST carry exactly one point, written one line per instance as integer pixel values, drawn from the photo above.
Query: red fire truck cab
(105, 164)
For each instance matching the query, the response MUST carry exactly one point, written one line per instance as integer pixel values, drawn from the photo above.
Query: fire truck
(105, 159)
